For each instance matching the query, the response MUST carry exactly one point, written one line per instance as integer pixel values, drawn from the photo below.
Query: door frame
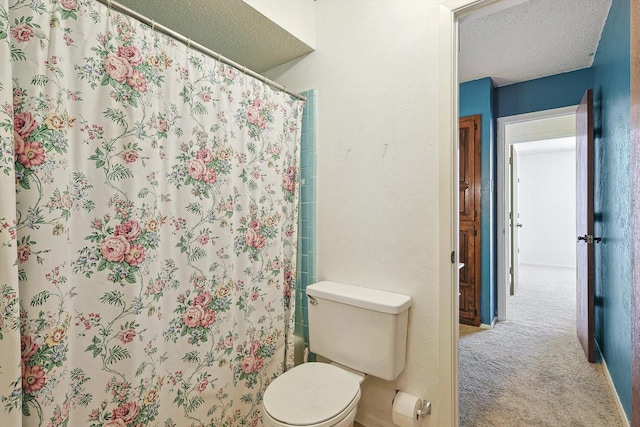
(502, 229)
(450, 12)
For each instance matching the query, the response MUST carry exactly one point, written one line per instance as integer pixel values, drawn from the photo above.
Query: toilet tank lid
(372, 299)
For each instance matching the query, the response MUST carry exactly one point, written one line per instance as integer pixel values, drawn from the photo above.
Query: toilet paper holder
(426, 409)
(422, 411)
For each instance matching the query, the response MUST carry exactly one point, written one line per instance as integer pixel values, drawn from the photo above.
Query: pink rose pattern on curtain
(148, 225)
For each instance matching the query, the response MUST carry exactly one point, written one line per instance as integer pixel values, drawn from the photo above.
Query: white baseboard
(491, 326)
(623, 415)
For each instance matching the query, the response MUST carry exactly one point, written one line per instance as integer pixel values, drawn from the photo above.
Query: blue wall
(476, 97)
(612, 115)
(546, 93)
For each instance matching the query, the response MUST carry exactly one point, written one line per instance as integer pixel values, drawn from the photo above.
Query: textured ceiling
(525, 40)
(510, 40)
(230, 27)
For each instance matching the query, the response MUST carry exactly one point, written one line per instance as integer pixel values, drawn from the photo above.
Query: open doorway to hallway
(536, 195)
(542, 211)
(529, 369)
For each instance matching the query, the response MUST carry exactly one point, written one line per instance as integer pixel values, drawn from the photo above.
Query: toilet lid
(310, 394)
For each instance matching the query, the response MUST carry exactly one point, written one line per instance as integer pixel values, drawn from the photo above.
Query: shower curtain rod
(197, 46)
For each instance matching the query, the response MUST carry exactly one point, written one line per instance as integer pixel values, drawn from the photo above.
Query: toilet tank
(361, 328)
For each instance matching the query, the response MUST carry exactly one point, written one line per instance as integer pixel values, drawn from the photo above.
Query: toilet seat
(312, 394)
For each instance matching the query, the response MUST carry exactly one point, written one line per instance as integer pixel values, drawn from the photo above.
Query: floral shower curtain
(148, 224)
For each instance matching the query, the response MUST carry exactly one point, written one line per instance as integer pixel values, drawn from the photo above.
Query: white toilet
(364, 332)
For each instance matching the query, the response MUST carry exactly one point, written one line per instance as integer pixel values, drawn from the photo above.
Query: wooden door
(635, 213)
(584, 226)
(470, 191)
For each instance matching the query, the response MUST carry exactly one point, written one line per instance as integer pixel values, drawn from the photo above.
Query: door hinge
(510, 160)
(475, 126)
(510, 270)
(475, 233)
(453, 257)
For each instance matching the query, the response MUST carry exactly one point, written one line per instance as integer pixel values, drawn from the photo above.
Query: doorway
(451, 12)
(543, 216)
(539, 132)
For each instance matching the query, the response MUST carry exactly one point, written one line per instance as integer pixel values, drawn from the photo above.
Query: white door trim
(450, 11)
(503, 189)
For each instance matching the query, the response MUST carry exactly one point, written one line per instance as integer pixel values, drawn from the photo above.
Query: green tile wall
(307, 243)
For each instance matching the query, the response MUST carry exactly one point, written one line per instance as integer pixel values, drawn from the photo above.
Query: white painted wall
(376, 68)
(547, 205)
(297, 17)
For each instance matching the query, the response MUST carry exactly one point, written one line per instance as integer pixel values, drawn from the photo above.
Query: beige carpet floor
(530, 370)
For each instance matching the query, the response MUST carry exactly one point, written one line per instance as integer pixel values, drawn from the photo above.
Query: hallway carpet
(530, 370)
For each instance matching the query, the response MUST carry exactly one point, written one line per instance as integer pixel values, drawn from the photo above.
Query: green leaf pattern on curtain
(148, 225)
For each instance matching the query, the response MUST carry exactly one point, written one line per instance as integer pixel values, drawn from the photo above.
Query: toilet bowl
(364, 331)
(312, 395)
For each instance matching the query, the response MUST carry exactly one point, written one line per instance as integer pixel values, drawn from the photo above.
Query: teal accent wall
(477, 97)
(546, 93)
(612, 123)
(307, 243)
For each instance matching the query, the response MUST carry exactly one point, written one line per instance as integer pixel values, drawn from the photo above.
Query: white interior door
(514, 216)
